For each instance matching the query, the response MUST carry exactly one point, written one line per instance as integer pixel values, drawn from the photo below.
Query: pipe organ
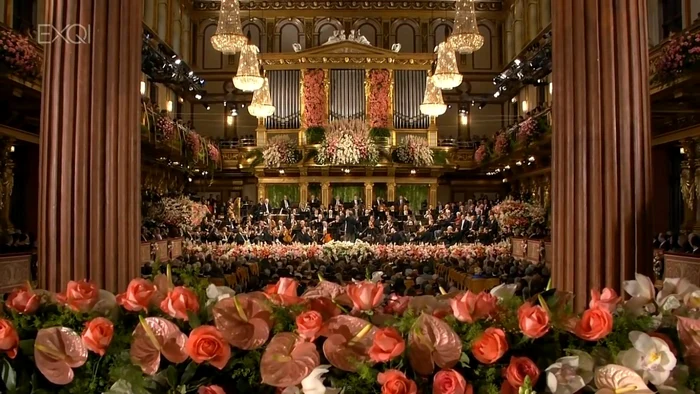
(409, 86)
(347, 96)
(284, 90)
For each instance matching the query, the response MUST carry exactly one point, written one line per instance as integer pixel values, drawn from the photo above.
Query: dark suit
(286, 205)
(349, 226)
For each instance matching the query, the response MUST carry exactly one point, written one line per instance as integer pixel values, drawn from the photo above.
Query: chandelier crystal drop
(466, 37)
(432, 100)
(248, 77)
(447, 75)
(229, 37)
(261, 106)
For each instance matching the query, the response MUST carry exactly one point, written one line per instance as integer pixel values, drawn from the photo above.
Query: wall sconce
(229, 120)
(524, 105)
(180, 100)
(413, 172)
(550, 88)
(169, 106)
(143, 88)
(281, 172)
(682, 151)
(514, 100)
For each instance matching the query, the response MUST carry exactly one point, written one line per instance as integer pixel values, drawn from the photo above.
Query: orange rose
(137, 296)
(283, 292)
(470, 307)
(80, 296)
(308, 324)
(23, 300)
(449, 381)
(519, 368)
(98, 335)
(395, 382)
(213, 389)
(594, 324)
(207, 344)
(178, 302)
(387, 345)
(608, 299)
(491, 346)
(533, 320)
(9, 340)
(366, 295)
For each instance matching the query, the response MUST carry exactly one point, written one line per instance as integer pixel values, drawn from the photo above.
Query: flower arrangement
(194, 143)
(214, 153)
(166, 127)
(681, 53)
(379, 87)
(501, 144)
(177, 211)
(162, 336)
(414, 150)
(334, 251)
(314, 98)
(481, 154)
(347, 142)
(279, 151)
(527, 131)
(519, 218)
(18, 53)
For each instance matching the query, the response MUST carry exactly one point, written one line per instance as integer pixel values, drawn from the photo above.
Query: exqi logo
(71, 34)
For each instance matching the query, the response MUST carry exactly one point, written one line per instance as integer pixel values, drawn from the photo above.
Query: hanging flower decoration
(519, 218)
(214, 153)
(528, 131)
(314, 98)
(280, 151)
(502, 144)
(379, 87)
(680, 54)
(481, 154)
(166, 127)
(348, 142)
(18, 53)
(177, 212)
(414, 150)
(194, 143)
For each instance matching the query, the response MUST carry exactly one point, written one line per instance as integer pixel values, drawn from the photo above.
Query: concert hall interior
(349, 196)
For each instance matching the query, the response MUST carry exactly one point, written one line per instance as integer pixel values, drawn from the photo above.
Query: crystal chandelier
(261, 106)
(229, 37)
(447, 75)
(466, 37)
(432, 100)
(248, 77)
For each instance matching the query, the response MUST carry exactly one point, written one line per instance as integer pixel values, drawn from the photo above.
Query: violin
(287, 238)
(327, 238)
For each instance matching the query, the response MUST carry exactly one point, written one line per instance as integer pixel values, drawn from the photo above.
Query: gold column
(688, 186)
(303, 192)
(261, 133)
(432, 194)
(391, 191)
(325, 193)
(7, 166)
(262, 191)
(390, 112)
(367, 92)
(369, 188)
(301, 99)
(433, 132)
(327, 88)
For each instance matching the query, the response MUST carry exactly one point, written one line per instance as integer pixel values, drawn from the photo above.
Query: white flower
(650, 358)
(692, 300)
(676, 383)
(503, 291)
(673, 292)
(570, 374)
(642, 292)
(217, 293)
(313, 384)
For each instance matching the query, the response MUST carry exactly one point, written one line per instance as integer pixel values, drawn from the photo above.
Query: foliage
(414, 150)
(19, 54)
(348, 142)
(280, 151)
(679, 55)
(314, 135)
(380, 132)
(519, 218)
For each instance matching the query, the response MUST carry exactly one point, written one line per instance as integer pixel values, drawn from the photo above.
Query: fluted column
(186, 48)
(325, 193)
(518, 28)
(176, 28)
(533, 26)
(432, 194)
(509, 51)
(89, 205)
(369, 197)
(163, 19)
(303, 192)
(391, 191)
(601, 145)
(149, 11)
(545, 13)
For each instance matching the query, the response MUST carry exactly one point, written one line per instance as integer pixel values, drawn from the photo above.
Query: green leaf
(189, 372)
(464, 360)
(26, 346)
(194, 319)
(8, 375)
(172, 375)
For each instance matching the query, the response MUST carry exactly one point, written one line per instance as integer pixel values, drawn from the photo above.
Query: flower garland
(348, 142)
(519, 218)
(528, 131)
(279, 151)
(161, 334)
(214, 153)
(179, 211)
(481, 154)
(379, 86)
(194, 142)
(166, 128)
(18, 53)
(414, 150)
(314, 98)
(501, 144)
(681, 53)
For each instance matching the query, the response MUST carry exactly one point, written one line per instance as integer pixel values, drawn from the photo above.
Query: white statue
(396, 47)
(342, 35)
(361, 39)
(351, 37)
(297, 47)
(332, 39)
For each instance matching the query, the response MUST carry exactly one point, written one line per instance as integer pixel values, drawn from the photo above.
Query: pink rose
(9, 340)
(178, 302)
(396, 305)
(213, 389)
(470, 307)
(283, 292)
(98, 335)
(309, 324)
(608, 299)
(365, 295)
(387, 345)
(533, 320)
(137, 296)
(449, 381)
(23, 300)
(80, 296)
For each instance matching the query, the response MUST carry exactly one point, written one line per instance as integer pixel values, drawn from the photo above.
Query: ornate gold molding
(335, 5)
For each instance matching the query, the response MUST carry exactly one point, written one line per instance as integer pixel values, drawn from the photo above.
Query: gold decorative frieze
(346, 55)
(290, 5)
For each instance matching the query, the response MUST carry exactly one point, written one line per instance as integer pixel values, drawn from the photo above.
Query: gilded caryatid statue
(7, 169)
